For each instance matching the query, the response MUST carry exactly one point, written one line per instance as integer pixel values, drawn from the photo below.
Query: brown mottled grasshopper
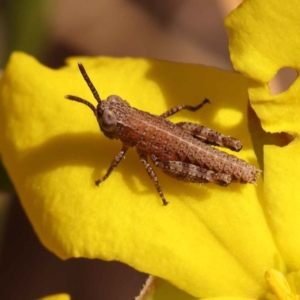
(183, 150)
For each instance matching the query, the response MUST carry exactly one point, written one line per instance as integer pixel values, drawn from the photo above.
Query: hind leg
(210, 136)
(191, 173)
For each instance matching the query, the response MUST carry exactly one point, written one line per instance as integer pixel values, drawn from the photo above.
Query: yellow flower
(209, 241)
(53, 151)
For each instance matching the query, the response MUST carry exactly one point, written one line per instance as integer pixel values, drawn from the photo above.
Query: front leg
(191, 173)
(210, 136)
(152, 175)
(113, 164)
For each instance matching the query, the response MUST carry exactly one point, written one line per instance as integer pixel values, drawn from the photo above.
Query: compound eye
(114, 98)
(108, 121)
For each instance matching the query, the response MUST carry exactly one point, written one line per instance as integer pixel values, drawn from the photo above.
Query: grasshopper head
(104, 112)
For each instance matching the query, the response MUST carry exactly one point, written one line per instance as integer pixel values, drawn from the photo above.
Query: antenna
(78, 99)
(88, 81)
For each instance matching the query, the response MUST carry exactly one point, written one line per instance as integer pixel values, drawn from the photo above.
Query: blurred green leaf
(27, 26)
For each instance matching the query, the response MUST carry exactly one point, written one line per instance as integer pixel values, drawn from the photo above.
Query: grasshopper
(183, 150)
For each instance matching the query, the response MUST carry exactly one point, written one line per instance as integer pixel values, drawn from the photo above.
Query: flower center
(279, 286)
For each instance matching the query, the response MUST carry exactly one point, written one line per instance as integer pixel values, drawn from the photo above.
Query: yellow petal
(209, 241)
(264, 37)
(57, 297)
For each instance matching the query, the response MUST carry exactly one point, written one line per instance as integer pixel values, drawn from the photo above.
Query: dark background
(188, 31)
